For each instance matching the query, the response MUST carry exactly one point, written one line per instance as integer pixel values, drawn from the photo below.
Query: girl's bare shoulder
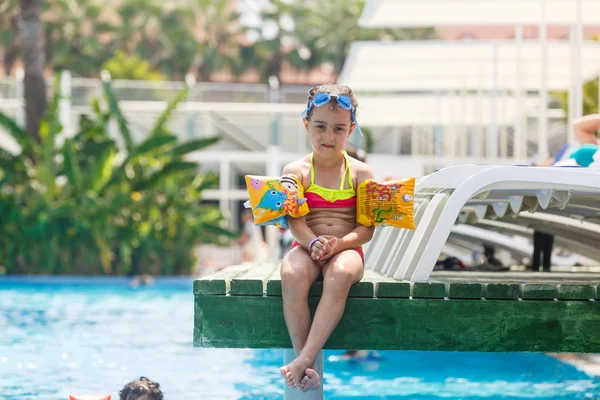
(300, 168)
(360, 170)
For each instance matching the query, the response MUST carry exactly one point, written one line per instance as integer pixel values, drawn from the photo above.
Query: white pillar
(208, 126)
(296, 394)
(572, 94)
(479, 132)
(492, 139)
(431, 144)
(273, 169)
(438, 132)
(520, 134)
(543, 95)
(578, 78)
(450, 134)
(395, 140)
(503, 134)
(64, 105)
(224, 187)
(301, 137)
(463, 125)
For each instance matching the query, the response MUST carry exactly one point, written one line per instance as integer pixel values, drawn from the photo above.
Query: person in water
(141, 389)
(328, 240)
(356, 355)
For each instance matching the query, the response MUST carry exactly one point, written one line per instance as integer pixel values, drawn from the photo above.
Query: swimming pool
(60, 336)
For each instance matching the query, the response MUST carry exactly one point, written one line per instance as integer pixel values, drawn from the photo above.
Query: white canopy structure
(388, 13)
(573, 13)
(461, 68)
(432, 65)
(444, 109)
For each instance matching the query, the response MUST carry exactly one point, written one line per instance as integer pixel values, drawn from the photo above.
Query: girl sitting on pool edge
(329, 239)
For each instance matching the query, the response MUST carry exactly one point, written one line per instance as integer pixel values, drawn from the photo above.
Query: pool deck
(454, 311)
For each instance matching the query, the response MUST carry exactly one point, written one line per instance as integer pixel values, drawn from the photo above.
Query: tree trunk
(11, 53)
(204, 72)
(274, 66)
(30, 29)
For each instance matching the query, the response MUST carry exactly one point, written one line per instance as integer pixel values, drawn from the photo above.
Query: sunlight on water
(64, 336)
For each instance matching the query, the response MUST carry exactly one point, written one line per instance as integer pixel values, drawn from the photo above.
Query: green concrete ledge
(240, 307)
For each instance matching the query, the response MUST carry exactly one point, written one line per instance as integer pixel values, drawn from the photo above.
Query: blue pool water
(60, 336)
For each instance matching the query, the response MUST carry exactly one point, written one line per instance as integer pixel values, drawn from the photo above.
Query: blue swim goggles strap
(343, 101)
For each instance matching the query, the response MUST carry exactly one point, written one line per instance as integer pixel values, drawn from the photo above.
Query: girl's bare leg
(298, 273)
(339, 274)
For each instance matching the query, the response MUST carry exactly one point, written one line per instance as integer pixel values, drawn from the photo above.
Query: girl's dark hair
(139, 388)
(338, 90)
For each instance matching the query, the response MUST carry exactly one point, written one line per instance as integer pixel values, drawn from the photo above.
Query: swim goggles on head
(321, 99)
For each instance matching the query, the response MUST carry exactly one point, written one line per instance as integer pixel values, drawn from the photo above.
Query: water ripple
(73, 336)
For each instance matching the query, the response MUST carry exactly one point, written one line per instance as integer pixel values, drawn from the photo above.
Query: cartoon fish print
(281, 222)
(272, 200)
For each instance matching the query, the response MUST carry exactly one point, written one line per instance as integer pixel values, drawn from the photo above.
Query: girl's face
(329, 130)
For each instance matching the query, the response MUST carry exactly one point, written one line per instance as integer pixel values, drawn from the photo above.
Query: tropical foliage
(124, 66)
(98, 204)
(590, 98)
(200, 36)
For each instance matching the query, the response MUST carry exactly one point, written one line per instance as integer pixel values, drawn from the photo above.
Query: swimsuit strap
(347, 172)
(312, 169)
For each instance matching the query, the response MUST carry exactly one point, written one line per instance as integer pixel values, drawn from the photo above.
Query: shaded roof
(407, 13)
(444, 65)
(428, 110)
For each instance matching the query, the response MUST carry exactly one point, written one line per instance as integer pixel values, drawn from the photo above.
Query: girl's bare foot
(294, 371)
(311, 380)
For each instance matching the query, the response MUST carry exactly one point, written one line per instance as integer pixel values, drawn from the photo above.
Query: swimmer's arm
(586, 127)
(361, 234)
(302, 233)
(544, 163)
(298, 226)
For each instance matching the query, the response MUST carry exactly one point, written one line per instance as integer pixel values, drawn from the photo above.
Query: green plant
(123, 66)
(590, 98)
(87, 205)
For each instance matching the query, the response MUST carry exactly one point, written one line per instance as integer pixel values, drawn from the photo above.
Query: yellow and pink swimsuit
(322, 197)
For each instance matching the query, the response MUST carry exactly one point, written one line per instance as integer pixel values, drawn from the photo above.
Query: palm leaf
(169, 168)
(194, 145)
(153, 143)
(217, 230)
(166, 114)
(5, 175)
(103, 169)
(50, 126)
(145, 147)
(63, 210)
(206, 182)
(9, 161)
(20, 135)
(72, 170)
(178, 166)
(116, 112)
(96, 149)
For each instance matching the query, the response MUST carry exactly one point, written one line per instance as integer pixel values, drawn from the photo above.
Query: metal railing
(252, 116)
(83, 90)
